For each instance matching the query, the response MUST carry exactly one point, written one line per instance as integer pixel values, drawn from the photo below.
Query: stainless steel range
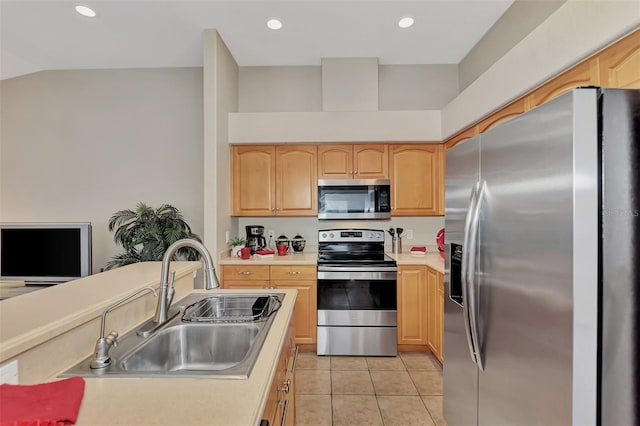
(357, 303)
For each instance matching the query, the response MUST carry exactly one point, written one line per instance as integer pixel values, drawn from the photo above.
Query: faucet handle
(112, 338)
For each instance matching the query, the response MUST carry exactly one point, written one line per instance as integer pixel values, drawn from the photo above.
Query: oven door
(357, 313)
(357, 298)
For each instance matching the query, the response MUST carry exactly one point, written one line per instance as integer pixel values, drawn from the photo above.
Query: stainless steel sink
(189, 345)
(193, 347)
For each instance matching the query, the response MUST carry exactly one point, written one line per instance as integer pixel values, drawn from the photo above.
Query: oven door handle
(358, 276)
(357, 269)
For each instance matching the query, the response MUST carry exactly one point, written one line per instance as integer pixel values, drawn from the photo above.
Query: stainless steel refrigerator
(542, 280)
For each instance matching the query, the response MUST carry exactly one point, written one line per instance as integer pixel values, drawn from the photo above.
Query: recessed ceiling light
(405, 22)
(85, 11)
(274, 24)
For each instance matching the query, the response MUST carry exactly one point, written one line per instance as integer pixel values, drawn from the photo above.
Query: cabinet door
(305, 309)
(370, 161)
(620, 64)
(245, 276)
(440, 317)
(435, 309)
(253, 180)
(296, 180)
(412, 305)
(335, 161)
(417, 180)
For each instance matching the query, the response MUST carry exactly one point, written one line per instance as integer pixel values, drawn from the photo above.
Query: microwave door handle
(464, 272)
(471, 278)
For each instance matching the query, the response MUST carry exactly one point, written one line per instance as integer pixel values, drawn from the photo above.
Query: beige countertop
(431, 259)
(184, 401)
(304, 258)
(51, 330)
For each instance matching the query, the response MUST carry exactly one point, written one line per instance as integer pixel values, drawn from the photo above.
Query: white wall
(81, 145)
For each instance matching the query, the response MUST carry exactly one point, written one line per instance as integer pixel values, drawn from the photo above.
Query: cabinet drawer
(293, 272)
(245, 272)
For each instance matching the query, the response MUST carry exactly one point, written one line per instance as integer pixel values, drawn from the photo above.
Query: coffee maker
(255, 238)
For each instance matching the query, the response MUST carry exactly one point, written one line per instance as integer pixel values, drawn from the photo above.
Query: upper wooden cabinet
(417, 179)
(357, 161)
(620, 64)
(269, 180)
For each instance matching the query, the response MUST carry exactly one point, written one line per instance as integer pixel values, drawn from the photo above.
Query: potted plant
(146, 233)
(236, 244)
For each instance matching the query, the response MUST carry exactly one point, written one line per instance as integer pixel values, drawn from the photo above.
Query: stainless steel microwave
(354, 199)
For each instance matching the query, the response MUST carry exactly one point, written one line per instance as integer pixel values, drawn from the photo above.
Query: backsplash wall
(424, 228)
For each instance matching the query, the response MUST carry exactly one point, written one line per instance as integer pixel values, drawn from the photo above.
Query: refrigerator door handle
(464, 270)
(471, 274)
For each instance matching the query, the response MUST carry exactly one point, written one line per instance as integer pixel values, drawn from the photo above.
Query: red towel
(46, 404)
(422, 249)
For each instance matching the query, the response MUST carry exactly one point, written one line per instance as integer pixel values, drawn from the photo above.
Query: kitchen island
(65, 330)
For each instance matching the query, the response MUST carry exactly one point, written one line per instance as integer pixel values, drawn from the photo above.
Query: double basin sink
(209, 336)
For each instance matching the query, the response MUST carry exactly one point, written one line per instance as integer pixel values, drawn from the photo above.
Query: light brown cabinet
(620, 64)
(281, 406)
(417, 179)
(435, 312)
(300, 277)
(412, 305)
(356, 161)
(274, 180)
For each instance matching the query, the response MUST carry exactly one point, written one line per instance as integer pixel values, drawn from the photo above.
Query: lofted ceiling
(49, 34)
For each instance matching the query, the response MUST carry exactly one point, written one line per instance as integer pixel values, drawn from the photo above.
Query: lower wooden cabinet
(421, 308)
(281, 404)
(412, 305)
(435, 309)
(300, 277)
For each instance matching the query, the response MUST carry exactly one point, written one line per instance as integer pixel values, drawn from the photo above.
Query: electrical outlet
(409, 234)
(271, 233)
(9, 373)
(226, 237)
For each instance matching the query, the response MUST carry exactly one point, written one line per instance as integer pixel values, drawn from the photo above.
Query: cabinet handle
(245, 272)
(285, 386)
(295, 360)
(284, 412)
(293, 272)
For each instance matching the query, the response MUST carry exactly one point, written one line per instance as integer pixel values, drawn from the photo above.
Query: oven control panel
(350, 235)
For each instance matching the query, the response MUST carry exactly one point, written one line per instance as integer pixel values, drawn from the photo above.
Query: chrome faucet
(166, 279)
(101, 357)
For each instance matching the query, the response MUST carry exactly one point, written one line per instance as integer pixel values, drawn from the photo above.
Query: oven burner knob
(331, 235)
(324, 235)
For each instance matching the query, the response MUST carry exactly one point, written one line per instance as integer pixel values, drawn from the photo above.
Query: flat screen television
(45, 253)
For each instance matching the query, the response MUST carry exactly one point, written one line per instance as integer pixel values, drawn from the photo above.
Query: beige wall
(575, 31)
(221, 98)
(417, 87)
(299, 88)
(424, 228)
(80, 145)
(286, 88)
(518, 21)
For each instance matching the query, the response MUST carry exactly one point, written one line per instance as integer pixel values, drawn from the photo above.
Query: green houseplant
(146, 233)
(236, 244)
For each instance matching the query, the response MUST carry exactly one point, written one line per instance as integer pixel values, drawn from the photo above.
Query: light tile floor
(343, 390)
